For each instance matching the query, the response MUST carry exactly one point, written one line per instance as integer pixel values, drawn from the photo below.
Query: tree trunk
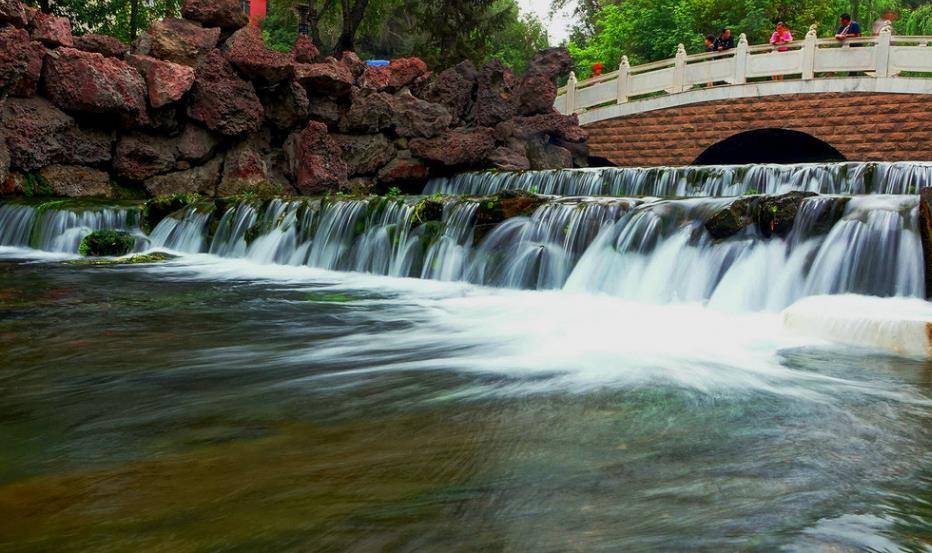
(352, 18)
(45, 6)
(133, 19)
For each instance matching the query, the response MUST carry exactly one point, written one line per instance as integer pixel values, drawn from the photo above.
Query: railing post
(571, 94)
(810, 47)
(624, 82)
(882, 53)
(741, 60)
(679, 70)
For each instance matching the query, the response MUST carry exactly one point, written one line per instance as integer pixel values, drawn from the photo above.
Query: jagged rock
(4, 166)
(101, 44)
(248, 169)
(196, 144)
(397, 74)
(286, 105)
(140, 156)
(733, 217)
(544, 155)
(326, 110)
(511, 157)
(404, 169)
(553, 123)
(538, 88)
(455, 147)
(179, 41)
(365, 154)
(20, 62)
(304, 50)
(222, 101)
(13, 12)
(356, 66)
(51, 30)
(776, 214)
(247, 52)
(579, 151)
(76, 181)
(91, 83)
(453, 88)
(413, 117)
(494, 88)
(167, 82)
(329, 77)
(503, 206)
(226, 14)
(39, 134)
(315, 160)
(369, 113)
(203, 179)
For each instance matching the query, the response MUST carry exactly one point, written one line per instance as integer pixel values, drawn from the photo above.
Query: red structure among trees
(255, 9)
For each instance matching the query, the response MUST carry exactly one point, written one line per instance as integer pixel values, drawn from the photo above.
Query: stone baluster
(741, 60)
(571, 94)
(882, 52)
(810, 48)
(679, 70)
(624, 80)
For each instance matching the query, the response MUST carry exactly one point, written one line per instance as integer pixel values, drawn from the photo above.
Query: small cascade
(55, 227)
(182, 232)
(448, 255)
(698, 181)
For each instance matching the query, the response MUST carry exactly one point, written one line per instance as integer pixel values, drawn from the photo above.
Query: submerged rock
(107, 243)
(733, 218)
(776, 214)
(506, 204)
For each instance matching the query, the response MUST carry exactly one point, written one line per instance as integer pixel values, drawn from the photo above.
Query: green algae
(154, 257)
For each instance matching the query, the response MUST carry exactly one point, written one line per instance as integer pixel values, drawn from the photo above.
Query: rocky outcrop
(771, 215)
(200, 104)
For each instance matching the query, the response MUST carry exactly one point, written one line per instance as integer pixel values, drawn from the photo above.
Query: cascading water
(702, 181)
(54, 227)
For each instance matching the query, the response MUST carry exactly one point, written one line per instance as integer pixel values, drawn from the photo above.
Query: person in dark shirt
(710, 43)
(725, 41)
(847, 29)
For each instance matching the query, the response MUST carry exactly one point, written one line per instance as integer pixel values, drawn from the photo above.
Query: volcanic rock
(304, 50)
(247, 52)
(369, 113)
(329, 77)
(511, 157)
(51, 30)
(226, 14)
(101, 44)
(140, 156)
(179, 41)
(203, 179)
(13, 12)
(365, 154)
(494, 94)
(326, 110)
(397, 74)
(286, 105)
(404, 169)
(167, 82)
(553, 123)
(91, 83)
(455, 147)
(356, 66)
(222, 101)
(414, 117)
(315, 160)
(195, 144)
(538, 89)
(454, 88)
(76, 181)
(20, 62)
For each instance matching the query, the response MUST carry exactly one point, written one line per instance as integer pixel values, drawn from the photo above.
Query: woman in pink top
(779, 39)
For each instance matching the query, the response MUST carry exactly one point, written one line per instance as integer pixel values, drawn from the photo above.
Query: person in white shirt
(886, 19)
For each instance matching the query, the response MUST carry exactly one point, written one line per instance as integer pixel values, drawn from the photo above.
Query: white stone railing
(881, 57)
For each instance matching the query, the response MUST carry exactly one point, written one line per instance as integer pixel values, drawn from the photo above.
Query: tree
(120, 18)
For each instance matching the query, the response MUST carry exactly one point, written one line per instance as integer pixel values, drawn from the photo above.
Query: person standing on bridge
(886, 19)
(779, 39)
(725, 41)
(847, 29)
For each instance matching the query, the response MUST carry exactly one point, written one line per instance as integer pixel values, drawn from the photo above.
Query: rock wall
(201, 105)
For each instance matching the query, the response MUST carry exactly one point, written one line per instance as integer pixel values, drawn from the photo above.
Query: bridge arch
(769, 145)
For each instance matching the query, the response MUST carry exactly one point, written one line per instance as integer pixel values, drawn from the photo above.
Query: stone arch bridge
(869, 100)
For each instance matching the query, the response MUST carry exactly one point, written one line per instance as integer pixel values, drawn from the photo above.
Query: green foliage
(393, 192)
(35, 185)
(650, 30)
(112, 17)
(107, 243)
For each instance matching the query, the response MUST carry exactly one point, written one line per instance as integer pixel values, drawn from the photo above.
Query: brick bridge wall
(861, 126)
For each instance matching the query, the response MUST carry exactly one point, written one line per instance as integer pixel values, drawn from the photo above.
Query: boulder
(397, 74)
(503, 206)
(222, 101)
(76, 181)
(510, 157)
(247, 52)
(195, 144)
(538, 88)
(776, 214)
(140, 156)
(13, 12)
(365, 154)
(544, 155)
(553, 123)
(246, 168)
(369, 113)
(326, 110)
(90, 83)
(39, 134)
(286, 105)
(404, 169)
(108, 242)
(226, 14)
(356, 66)
(413, 117)
(733, 217)
(168, 82)
(579, 151)
(20, 62)
(53, 31)
(179, 41)
(101, 44)
(454, 88)
(304, 50)
(315, 160)
(203, 180)
(330, 77)
(494, 88)
(455, 147)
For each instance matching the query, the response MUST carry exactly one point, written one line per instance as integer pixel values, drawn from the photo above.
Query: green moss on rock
(107, 243)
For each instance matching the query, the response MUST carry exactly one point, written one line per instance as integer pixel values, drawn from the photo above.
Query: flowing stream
(597, 373)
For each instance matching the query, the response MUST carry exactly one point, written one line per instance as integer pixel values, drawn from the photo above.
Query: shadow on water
(147, 410)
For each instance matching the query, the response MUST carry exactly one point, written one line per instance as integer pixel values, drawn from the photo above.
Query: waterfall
(58, 227)
(701, 181)
(182, 232)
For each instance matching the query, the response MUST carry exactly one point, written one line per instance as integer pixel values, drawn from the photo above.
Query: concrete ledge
(892, 85)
